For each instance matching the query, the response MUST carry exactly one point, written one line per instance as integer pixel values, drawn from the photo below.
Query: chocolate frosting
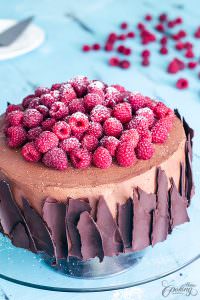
(125, 222)
(111, 237)
(91, 242)
(74, 208)
(54, 216)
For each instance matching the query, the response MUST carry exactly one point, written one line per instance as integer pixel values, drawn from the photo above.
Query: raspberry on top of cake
(85, 122)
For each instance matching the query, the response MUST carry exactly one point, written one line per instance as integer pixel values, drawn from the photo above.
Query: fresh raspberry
(55, 94)
(95, 129)
(136, 101)
(131, 34)
(182, 83)
(27, 100)
(46, 141)
(119, 88)
(112, 96)
(179, 46)
(120, 48)
(189, 53)
(15, 118)
(160, 27)
(147, 113)
(125, 154)
(159, 133)
(96, 47)
(30, 153)
(76, 105)
(144, 149)
(96, 87)
(121, 37)
(192, 64)
(110, 143)
(78, 135)
(171, 24)
(43, 110)
(67, 93)
(197, 33)
(163, 17)
(34, 102)
(123, 25)
(70, 144)
(16, 136)
(150, 103)
(48, 124)
(145, 62)
(160, 110)
(62, 130)
(80, 84)
(164, 40)
(163, 50)
(55, 86)
(78, 122)
(173, 67)
(102, 158)
(127, 51)
(55, 158)
(145, 53)
(100, 113)
(141, 26)
(140, 123)
(108, 46)
(13, 107)
(148, 17)
(33, 133)
(113, 127)
(41, 91)
(58, 110)
(32, 118)
(146, 135)
(86, 48)
(124, 64)
(89, 142)
(130, 135)
(47, 100)
(91, 100)
(81, 158)
(123, 112)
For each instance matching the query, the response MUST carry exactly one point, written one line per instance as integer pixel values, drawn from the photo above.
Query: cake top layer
(85, 124)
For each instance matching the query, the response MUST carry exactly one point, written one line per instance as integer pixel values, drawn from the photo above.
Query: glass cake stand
(180, 249)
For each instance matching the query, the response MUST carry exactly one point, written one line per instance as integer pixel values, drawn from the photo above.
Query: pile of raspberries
(85, 122)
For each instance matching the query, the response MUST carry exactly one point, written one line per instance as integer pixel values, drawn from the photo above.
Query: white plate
(31, 38)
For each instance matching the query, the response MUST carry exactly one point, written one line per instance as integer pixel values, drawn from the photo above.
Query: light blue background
(60, 58)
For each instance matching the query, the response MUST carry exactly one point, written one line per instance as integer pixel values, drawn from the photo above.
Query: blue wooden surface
(60, 58)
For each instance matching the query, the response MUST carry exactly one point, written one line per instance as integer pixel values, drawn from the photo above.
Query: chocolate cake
(90, 170)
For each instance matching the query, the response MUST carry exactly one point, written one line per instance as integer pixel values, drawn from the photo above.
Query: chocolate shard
(125, 222)
(12, 219)
(182, 180)
(161, 213)
(111, 237)
(188, 131)
(91, 242)
(178, 206)
(143, 206)
(74, 208)
(189, 184)
(54, 216)
(40, 234)
(177, 114)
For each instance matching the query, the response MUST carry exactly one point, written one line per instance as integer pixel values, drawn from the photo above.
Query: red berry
(144, 149)
(96, 87)
(163, 50)
(15, 117)
(160, 110)
(174, 66)
(179, 46)
(124, 25)
(78, 122)
(188, 45)
(145, 62)
(189, 53)
(32, 118)
(159, 133)
(67, 94)
(110, 143)
(30, 153)
(127, 51)
(95, 129)
(58, 110)
(43, 110)
(16, 136)
(86, 48)
(121, 48)
(125, 154)
(179, 20)
(124, 64)
(33, 133)
(81, 158)
(91, 100)
(119, 88)
(136, 101)
(46, 141)
(140, 26)
(163, 17)
(114, 61)
(100, 113)
(171, 24)
(48, 124)
(112, 37)
(113, 127)
(148, 17)
(182, 83)
(147, 113)
(96, 47)
(160, 27)
(145, 53)
(140, 123)
(130, 135)
(70, 144)
(34, 102)
(197, 33)
(123, 112)
(131, 34)
(102, 158)
(26, 101)
(55, 86)
(41, 91)
(89, 142)
(55, 158)
(163, 40)
(192, 64)
(55, 94)
(121, 37)
(108, 46)
(181, 34)
(47, 100)
(76, 105)
(79, 83)
(62, 130)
